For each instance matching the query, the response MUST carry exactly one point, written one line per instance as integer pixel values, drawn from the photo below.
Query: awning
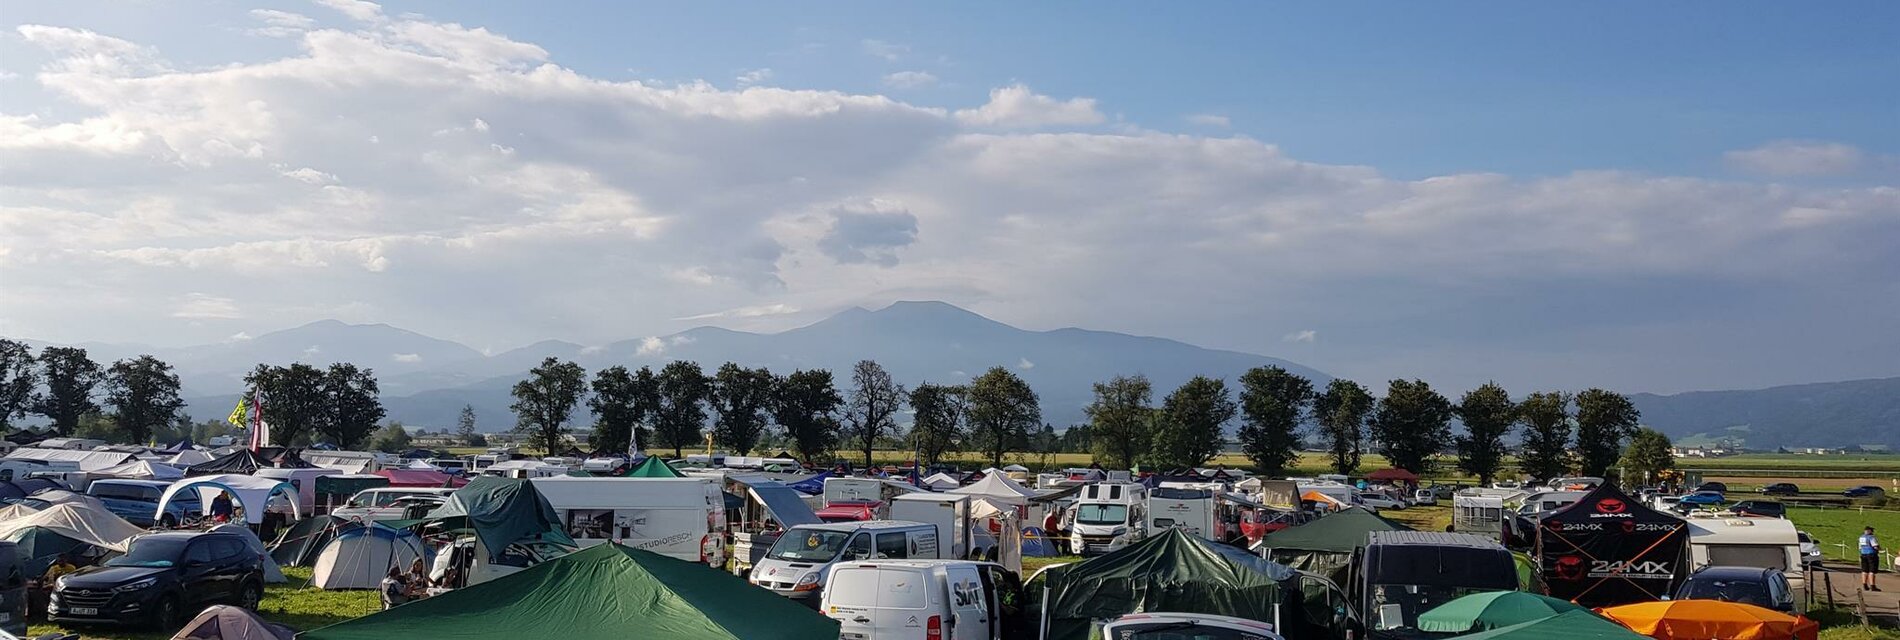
(781, 502)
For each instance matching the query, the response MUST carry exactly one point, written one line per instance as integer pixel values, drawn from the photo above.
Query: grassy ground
(302, 608)
(1837, 529)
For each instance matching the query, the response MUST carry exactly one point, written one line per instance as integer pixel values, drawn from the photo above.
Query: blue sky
(1640, 195)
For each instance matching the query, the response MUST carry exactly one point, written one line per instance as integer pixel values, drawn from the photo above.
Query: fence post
(1828, 576)
(1860, 608)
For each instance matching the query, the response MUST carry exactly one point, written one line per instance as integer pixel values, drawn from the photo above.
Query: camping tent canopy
(419, 478)
(1572, 625)
(85, 523)
(298, 545)
(999, 487)
(652, 467)
(941, 481)
(623, 592)
(252, 493)
(1392, 475)
(359, 556)
(1325, 546)
(1173, 571)
(502, 511)
(225, 622)
(87, 460)
(1491, 610)
(143, 470)
(241, 461)
(1606, 525)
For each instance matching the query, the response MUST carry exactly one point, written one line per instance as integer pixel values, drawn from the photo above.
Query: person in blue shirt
(1869, 560)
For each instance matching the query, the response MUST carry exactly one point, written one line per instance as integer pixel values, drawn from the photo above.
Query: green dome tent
(1172, 571)
(1325, 546)
(608, 592)
(652, 467)
(500, 512)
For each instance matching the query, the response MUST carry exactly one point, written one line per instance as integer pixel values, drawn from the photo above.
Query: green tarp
(299, 545)
(608, 592)
(501, 511)
(1173, 571)
(653, 467)
(1574, 625)
(1325, 546)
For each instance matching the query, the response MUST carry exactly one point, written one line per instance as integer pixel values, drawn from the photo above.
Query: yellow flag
(239, 415)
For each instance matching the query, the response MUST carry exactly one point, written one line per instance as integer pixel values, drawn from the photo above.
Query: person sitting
(61, 566)
(417, 579)
(394, 591)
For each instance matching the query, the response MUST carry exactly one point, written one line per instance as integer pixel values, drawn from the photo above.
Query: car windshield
(1743, 591)
(1098, 514)
(1181, 630)
(152, 552)
(799, 545)
(109, 491)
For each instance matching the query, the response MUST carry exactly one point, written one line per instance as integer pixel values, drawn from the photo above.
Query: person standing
(1869, 559)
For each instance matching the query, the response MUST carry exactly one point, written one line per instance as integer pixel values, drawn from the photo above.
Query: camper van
(926, 600)
(525, 469)
(949, 512)
(683, 518)
(1109, 516)
(304, 480)
(804, 556)
(1400, 574)
(1205, 513)
(1767, 543)
(1481, 511)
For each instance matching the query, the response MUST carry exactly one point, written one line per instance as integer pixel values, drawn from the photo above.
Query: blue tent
(1036, 544)
(813, 485)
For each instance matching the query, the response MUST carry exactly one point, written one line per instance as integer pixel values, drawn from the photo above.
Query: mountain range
(426, 381)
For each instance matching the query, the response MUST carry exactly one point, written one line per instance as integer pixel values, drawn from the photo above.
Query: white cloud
(202, 306)
(1025, 364)
(889, 51)
(238, 337)
(311, 351)
(355, 9)
(909, 79)
(1797, 158)
(742, 312)
(1015, 106)
(592, 349)
(753, 77)
(1307, 336)
(308, 175)
(651, 346)
(406, 357)
(280, 24)
(1210, 120)
(480, 125)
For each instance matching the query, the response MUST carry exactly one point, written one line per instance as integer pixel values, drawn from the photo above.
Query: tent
(12, 511)
(1038, 544)
(607, 592)
(241, 461)
(421, 465)
(1491, 610)
(272, 573)
(52, 497)
(1697, 619)
(1172, 571)
(252, 493)
(998, 487)
(502, 511)
(416, 478)
(814, 485)
(652, 467)
(225, 622)
(290, 459)
(87, 460)
(187, 458)
(1392, 475)
(24, 487)
(1608, 549)
(941, 482)
(42, 536)
(181, 445)
(1325, 546)
(360, 556)
(299, 544)
(143, 470)
(1573, 625)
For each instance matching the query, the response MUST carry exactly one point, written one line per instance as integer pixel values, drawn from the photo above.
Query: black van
(1401, 574)
(12, 590)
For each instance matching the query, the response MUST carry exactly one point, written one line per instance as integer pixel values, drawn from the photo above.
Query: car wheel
(251, 595)
(165, 613)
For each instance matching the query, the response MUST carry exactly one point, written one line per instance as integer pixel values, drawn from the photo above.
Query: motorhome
(352, 461)
(20, 469)
(1401, 574)
(926, 600)
(683, 518)
(1542, 502)
(1205, 513)
(1108, 516)
(1768, 543)
(799, 563)
(482, 461)
(956, 531)
(1480, 511)
(525, 469)
(304, 480)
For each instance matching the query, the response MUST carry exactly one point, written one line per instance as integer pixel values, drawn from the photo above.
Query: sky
(1637, 196)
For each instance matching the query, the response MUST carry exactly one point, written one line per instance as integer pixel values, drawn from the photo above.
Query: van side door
(969, 605)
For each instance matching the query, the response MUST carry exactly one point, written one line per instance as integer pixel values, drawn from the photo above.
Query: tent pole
(1276, 620)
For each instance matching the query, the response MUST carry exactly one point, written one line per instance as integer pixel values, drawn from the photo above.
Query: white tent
(272, 574)
(252, 494)
(421, 465)
(62, 496)
(941, 482)
(1009, 542)
(225, 622)
(360, 557)
(91, 525)
(87, 460)
(998, 487)
(12, 511)
(189, 457)
(143, 470)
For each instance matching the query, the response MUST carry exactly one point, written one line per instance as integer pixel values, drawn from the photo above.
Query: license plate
(853, 636)
(85, 611)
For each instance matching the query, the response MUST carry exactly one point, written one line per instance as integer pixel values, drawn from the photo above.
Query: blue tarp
(813, 485)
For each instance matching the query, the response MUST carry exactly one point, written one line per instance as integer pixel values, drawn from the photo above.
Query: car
(1761, 508)
(1781, 489)
(137, 500)
(1379, 501)
(1810, 550)
(1424, 496)
(1168, 625)
(370, 505)
(1703, 498)
(1760, 586)
(1713, 486)
(1865, 491)
(162, 578)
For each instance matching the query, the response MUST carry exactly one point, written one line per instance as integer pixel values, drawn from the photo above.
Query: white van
(683, 518)
(925, 600)
(798, 563)
(1768, 543)
(304, 480)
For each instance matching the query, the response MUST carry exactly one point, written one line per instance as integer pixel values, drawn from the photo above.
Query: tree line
(139, 395)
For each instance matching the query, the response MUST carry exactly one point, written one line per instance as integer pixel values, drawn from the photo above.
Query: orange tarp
(1710, 619)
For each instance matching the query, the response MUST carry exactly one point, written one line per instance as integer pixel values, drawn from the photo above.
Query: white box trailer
(683, 518)
(1768, 543)
(949, 512)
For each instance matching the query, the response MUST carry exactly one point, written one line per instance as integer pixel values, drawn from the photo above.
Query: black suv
(162, 576)
(1781, 489)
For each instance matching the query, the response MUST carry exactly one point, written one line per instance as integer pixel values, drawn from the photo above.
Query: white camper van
(804, 556)
(1768, 543)
(925, 600)
(1109, 516)
(684, 518)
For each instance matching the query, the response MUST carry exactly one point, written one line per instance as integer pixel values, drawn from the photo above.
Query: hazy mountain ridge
(1826, 414)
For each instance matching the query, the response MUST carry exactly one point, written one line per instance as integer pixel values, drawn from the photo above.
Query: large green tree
(143, 395)
(1121, 421)
(1341, 413)
(1273, 402)
(741, 399)
(1411, 424)
(465, 429)
(937, 425)
(392, 438)
(1648, 456)
(805, 404)
(1488, 414)
(1002, 411)
(870, 413)
(1192, 423)
(545, 400)
(679, 417)
(18, 380)
(295, 405)
(353, 405)
(70, 378)
(1546, 443)
(622, 402)
(1604, 420)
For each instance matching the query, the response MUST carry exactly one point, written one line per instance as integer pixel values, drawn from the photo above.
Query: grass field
(302, 608)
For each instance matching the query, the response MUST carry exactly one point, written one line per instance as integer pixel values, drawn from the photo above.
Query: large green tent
(1172, 571)
(501, 511)
(608, 592)
(1573, 625)
(652, 467)
(1325, 546)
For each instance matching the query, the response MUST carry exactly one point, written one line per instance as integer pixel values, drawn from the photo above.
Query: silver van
(796, 565)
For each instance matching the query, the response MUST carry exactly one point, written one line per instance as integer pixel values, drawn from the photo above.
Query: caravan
(683, 518)
(1765, 543)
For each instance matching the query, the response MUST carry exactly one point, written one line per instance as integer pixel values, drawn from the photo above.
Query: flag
(260, 430)
(240, 416)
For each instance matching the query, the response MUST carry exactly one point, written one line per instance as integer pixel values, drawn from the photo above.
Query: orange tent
(1315, 496)
(1711, 619)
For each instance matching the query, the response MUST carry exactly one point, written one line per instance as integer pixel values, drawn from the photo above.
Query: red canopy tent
(420, 478)
(1392, 475)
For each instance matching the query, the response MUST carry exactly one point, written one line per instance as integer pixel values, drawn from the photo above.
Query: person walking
(1869, 560)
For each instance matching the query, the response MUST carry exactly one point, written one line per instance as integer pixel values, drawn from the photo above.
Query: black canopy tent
(1608, 549)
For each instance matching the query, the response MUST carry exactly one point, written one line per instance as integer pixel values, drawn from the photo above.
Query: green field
(302, 608)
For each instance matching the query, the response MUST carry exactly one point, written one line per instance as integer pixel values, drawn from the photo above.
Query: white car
(1166, 626)
(1424, 496)
(370, 505)
(1379, 501)
(1810, 550)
